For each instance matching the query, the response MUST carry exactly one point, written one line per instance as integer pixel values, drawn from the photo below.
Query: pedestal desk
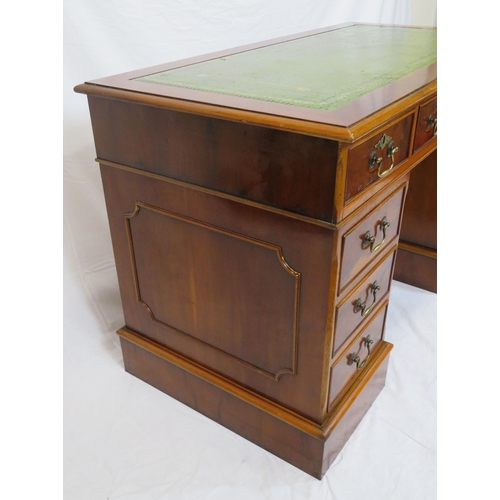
(256, 199)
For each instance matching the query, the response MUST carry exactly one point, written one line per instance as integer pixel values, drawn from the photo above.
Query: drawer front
(426, 124)
(372, 159)
(357, 248)
(360, 303)
(347, 366)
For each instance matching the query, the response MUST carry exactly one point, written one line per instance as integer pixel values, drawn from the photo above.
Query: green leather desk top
(321, 71)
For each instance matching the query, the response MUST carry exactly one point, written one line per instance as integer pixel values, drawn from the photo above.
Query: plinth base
(299, 441)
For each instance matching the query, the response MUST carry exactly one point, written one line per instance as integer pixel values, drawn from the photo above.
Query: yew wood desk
(256, 199)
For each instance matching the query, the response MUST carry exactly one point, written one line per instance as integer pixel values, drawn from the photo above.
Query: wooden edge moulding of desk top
(346, 123)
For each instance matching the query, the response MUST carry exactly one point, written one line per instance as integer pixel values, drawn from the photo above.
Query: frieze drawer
(378, 156)
(426, 124)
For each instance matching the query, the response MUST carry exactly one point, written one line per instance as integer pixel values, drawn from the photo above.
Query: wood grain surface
(238, 228)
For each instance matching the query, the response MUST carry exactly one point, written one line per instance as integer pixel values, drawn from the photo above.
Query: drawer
(377, 156)
(426, 124)
(383, 224)
(347, 366)
(363, 300)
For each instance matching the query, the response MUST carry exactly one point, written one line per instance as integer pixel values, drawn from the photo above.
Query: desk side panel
(282, 169)
(416, 262)
(420, 214)
(239, 290)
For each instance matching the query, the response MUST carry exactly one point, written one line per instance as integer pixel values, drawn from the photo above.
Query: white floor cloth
(126, 440)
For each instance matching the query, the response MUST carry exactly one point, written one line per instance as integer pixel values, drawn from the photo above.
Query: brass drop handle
(391, 149)
(361, 306)
(369, 240)
(376, 161)
(433, 122)
(356, 359)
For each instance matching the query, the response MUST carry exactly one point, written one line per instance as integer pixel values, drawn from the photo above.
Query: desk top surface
(321, 71)
(324, 82)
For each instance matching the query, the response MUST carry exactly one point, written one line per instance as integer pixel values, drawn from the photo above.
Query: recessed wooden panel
(245, 304)
(306, 247)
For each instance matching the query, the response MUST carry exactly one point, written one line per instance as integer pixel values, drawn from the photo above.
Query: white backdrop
(126, 440)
